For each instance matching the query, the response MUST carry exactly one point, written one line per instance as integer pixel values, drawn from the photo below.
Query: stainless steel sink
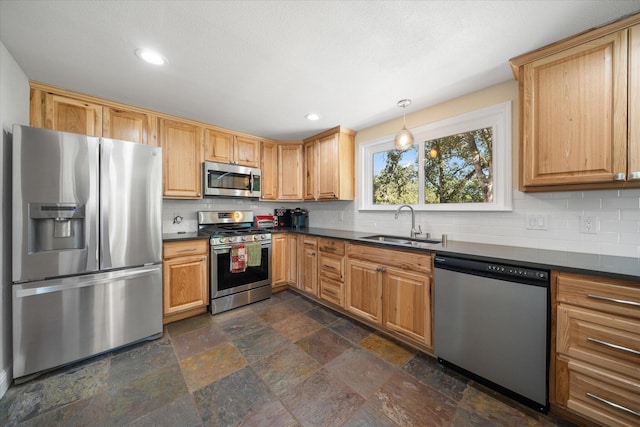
(404, 241)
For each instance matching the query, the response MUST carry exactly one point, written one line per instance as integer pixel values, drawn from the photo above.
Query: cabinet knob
(634, 176)
(198, 194)
(619, 177)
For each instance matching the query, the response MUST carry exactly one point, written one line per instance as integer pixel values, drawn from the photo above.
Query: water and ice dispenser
(56, 226)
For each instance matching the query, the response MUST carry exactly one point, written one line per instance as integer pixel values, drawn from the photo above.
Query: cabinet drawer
(331, 246)
(608, 295)
(188, 247)
(331, 267)
(601, 339)
(332, 291)
(310, 242)
(607, 398)
(405, 260)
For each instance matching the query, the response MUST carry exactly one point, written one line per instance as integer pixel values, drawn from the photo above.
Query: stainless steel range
(239, 261)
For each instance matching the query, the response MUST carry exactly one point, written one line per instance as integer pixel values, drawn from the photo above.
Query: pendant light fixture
(404, 138)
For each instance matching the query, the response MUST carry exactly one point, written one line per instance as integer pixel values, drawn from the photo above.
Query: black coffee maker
(299, 218)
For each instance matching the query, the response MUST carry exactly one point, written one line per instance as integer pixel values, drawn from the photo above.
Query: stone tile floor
(282, 362)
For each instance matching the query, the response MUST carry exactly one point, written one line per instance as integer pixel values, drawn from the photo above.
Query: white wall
(14, 108)
(617, 210)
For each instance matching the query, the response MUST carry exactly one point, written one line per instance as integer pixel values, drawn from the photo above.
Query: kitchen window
(466, 165)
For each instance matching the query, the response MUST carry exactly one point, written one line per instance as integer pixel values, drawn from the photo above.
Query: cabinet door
(182, 158)
(310, 171)
(310, 266)
(290, 172)
(246, 151)
(218, 146)
(279, 255)
(129, 126)
(407, 304)
(364, 290)
(574, 117)
(72, 115)
(634, 104)
(292, 259)
(269, 169)
(185, 284)
(328, 172)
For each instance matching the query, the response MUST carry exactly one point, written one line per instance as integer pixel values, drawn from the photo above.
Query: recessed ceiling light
(312, 116)
(151, 57)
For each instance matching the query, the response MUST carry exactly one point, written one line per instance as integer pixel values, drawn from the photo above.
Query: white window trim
(496, 116)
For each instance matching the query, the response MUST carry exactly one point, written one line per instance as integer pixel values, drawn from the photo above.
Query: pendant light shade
(404, 138)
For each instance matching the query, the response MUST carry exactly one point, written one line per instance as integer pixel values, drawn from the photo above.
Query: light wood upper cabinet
(329, 165)
(224, 147)
(129, 126)
(64, 113)
(579, 111)
(633, 161)
(290, 172)
(269, 169)
(310, 170)
(182, 158)
(218, 146)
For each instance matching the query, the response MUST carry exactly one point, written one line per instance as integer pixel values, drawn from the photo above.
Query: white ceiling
(260, 66)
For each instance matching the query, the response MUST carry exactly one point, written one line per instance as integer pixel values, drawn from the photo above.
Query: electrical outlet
(589, 224)
(537, 222)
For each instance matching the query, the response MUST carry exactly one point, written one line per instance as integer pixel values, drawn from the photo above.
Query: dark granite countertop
(574, 262)
(174, 237)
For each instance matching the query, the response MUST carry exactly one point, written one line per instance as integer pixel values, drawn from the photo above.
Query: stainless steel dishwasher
(491, 321)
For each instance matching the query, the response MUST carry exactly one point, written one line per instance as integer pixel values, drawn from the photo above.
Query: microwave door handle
(251, 182)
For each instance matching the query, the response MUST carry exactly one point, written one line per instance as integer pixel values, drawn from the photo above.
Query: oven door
(224, 282)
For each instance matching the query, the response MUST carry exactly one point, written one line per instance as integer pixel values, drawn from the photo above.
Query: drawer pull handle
(328, 248)
(614, 405)
(329, 267)
(186, 250)
(617, 347)
(619, 301)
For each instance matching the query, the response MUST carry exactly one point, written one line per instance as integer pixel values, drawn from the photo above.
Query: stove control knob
(245, 238)
(262, 237)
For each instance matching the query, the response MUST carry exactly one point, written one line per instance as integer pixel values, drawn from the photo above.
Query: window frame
(497, 116)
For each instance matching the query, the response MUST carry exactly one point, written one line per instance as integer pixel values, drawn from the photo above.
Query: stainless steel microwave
(225, 180)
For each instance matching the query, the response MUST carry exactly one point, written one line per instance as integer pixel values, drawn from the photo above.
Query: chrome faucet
(414, 232)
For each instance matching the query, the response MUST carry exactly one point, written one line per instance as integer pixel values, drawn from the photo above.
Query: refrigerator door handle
(96, 280)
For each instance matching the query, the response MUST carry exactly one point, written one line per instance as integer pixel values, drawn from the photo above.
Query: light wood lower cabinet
(185, 279)
(596, 351)
(279, 255)
(391, 288)
(309, 276)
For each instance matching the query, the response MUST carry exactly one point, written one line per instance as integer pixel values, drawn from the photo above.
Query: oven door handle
(224, 249)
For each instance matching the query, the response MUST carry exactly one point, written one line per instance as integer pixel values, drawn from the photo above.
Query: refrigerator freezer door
(55, 204)
(131, 204)
(58, 321)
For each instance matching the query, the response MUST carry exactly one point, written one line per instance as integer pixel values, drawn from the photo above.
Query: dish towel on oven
(254, 254)
(238, 258)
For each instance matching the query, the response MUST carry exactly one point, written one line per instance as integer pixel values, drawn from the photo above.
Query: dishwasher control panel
(490, 269)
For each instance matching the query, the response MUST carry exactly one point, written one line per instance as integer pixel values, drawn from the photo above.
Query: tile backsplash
(538, 220)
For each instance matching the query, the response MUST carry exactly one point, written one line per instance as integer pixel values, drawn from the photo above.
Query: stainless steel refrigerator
(87, 246)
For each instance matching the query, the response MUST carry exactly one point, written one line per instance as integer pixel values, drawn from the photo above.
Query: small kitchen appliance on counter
(292, 218)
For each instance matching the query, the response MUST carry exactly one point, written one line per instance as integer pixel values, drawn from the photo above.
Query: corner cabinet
(182, 157)
(391, 288)
(329, 165)
(596, 352)
(185, 279)
(579, 111)
(289, 172)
